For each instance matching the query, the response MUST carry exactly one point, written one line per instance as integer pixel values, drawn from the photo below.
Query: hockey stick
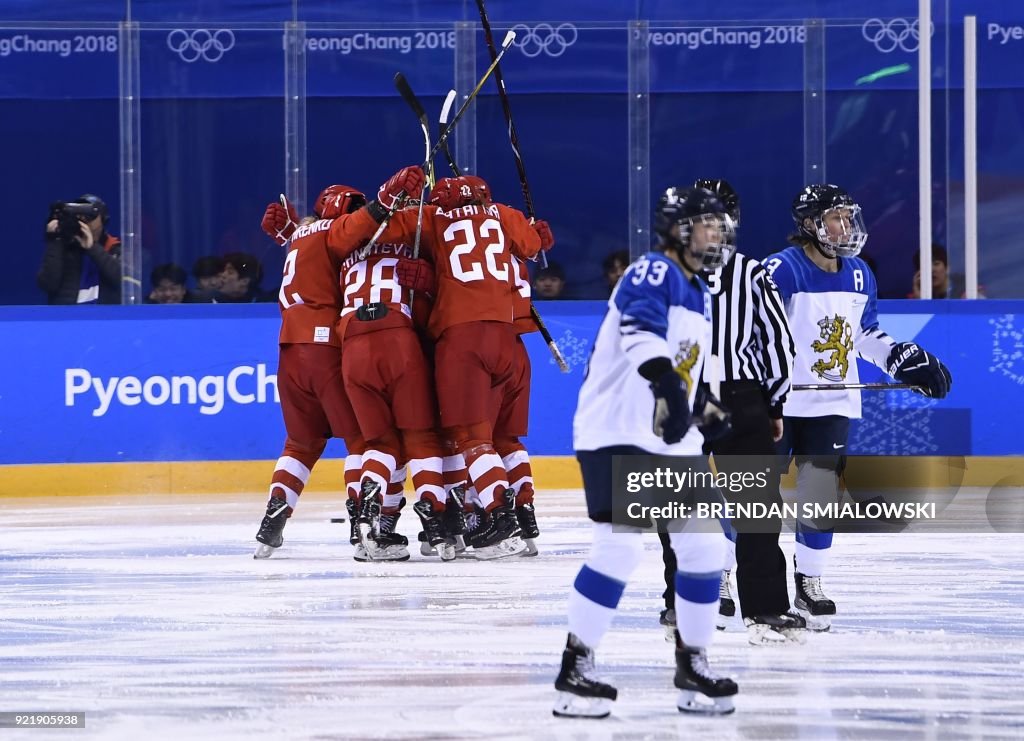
(513, 137)
(509, 38)
(405, 90)
(446, 109)
(855, 386)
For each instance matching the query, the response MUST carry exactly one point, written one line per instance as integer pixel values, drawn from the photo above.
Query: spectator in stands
(614, 266)
(168, 283)
(242, 276)
(82, 262)
(549, 282)
(209, 274)
(944, 285)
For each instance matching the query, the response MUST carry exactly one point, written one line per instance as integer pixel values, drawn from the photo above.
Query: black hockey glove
(671, 406)
(908, 363)
(715, 421)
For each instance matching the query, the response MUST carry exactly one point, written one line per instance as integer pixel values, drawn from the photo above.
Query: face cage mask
(721, 246)
(850, 242)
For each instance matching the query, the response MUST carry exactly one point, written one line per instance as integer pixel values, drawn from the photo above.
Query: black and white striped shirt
(752, 339)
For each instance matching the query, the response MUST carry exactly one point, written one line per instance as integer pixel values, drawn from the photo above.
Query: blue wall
(94, 384)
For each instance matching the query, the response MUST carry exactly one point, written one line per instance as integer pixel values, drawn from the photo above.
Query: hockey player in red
(390, 385)
(512, 401)
(313, 400)
(471, 248)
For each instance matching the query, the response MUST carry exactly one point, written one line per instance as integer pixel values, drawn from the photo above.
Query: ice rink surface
(151, 616)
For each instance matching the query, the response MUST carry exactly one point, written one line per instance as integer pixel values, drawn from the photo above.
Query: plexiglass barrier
(188, 130)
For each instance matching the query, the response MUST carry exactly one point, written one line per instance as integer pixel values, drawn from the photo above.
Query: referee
(754, 348)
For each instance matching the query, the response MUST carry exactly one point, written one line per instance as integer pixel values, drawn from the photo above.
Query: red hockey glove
(547, 239)
(280, 223)
(416, 274)
(408, 180)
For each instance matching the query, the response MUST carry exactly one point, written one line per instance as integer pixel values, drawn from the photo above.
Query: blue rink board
(99, 384)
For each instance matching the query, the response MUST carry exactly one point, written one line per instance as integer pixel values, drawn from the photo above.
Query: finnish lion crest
(686, 358)
(837, 339)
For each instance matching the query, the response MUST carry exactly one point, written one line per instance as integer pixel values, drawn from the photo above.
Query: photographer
(82, 263)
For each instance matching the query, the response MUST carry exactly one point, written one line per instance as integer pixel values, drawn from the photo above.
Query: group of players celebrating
(647, 364)
(400, 334)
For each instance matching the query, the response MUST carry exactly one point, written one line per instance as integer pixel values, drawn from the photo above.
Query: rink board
(183, 398)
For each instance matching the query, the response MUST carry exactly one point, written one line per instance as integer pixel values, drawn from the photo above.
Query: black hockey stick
(507, 108)
(855, 386)
(405, 90)
(513, 138)
(446, 110)
(509, 38)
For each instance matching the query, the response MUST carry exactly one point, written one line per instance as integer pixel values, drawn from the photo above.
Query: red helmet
(335, 200)
(449, 193)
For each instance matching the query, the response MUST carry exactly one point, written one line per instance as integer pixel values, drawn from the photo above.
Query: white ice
(152, 617)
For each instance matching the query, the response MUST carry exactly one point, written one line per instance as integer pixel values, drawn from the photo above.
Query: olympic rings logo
(201, 43)
(899, 33)
(545, 39)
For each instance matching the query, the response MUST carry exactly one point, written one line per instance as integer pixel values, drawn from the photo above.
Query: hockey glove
(671, 406)
(547, 239)
(417, 275)
(280, 223)
(714, 420)
(405, 182)
(908, 363)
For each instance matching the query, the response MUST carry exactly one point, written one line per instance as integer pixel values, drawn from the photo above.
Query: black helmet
(725, 193)
(814, 203)
(687, 207)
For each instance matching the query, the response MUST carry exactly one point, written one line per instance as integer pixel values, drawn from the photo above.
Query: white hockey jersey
(834, 318)
(653, 312)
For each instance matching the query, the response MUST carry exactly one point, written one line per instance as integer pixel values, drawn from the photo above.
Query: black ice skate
(369, 511)
(455, 517)
(698, 684)
(493, 537)
(383, 543)
(771, 630)
(812, 604)
(667, 620)
(580, 693)
(352, 505)
(726, 604)
(434, 531)
(269, 536)
(526, 516)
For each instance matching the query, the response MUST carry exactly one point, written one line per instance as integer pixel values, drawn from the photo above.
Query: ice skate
(701, 690)
(434, 531)
(269, 537)
(383, 543)
(455, 517)
(580, 693)
(493, 535)
(774, 630)
(667, 620)
(812, 604)
(526, 515)
(353, 520)
(369, 511)
(726, 604)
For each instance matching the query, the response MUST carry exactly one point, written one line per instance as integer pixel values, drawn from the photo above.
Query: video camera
(70, 215)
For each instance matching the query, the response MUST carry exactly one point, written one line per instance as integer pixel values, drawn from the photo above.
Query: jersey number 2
(289, 276)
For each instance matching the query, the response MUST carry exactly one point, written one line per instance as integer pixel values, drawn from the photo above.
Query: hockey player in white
(831, 301)
(645, 365)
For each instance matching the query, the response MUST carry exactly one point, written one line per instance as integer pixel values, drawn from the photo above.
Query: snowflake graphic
(574, 349)
(1007, 348)
(885, 430)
